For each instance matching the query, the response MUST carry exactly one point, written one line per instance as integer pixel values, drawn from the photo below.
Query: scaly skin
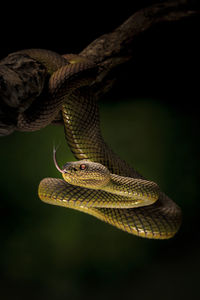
(120, 191)
(69, 90)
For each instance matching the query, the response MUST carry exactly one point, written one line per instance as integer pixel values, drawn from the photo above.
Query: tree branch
(22, 79)
(116, 47)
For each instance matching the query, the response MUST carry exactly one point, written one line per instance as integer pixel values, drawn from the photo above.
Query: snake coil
(138, 207)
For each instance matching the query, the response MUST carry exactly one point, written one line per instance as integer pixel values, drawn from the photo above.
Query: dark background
(151, 118)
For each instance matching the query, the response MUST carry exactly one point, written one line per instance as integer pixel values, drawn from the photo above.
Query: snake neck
(139, 189)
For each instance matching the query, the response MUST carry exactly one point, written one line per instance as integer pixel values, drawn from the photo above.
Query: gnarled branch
(22, 79)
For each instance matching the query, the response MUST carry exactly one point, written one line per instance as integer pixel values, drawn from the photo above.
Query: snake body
(127, 201)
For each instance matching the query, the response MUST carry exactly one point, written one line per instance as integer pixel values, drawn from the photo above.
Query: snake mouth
(66, 172)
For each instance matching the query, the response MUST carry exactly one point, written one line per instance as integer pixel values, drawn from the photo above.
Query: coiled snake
(100, 183)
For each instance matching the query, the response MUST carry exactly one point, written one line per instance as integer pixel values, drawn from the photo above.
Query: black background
(53, 253)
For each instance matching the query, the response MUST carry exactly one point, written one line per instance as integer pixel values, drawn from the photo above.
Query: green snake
(99, 183)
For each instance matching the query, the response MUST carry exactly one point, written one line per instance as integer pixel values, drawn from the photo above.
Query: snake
(99, 182)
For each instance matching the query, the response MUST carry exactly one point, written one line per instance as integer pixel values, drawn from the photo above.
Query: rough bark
(22, 79)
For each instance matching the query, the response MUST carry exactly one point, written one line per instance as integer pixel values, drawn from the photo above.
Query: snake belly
(69, 90)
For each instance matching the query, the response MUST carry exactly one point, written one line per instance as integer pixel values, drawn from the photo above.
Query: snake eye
(82, 166)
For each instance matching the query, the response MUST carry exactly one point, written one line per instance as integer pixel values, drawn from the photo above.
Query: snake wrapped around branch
(100, 183)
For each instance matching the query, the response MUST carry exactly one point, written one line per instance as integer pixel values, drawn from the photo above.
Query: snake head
(86, 174)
